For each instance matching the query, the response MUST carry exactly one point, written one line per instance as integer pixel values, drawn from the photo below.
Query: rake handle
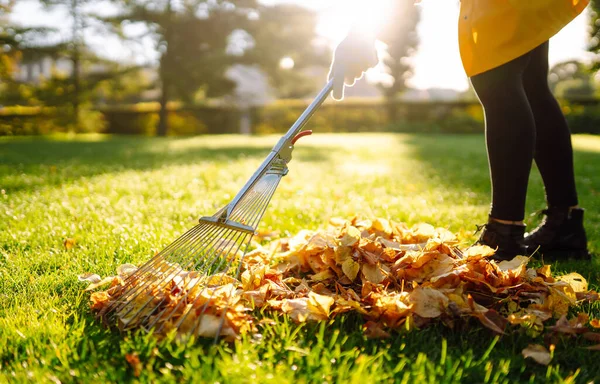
(307, 114)
(282, 151)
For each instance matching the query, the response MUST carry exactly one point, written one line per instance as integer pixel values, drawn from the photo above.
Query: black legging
(523, 121)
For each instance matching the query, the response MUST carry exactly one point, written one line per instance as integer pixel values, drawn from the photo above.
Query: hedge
(359, 115)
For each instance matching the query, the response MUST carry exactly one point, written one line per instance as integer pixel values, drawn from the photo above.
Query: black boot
(506, 239)
(560, 235)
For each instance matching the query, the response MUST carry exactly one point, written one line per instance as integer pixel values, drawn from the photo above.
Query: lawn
(123, 198)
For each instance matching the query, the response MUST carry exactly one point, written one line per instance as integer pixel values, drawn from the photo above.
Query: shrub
(583, 119)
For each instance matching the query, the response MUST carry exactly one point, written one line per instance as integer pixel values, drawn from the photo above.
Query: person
(504, 51)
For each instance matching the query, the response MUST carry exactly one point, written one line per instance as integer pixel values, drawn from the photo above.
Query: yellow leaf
(350, 268)
(478, 251)
(296, 308)
(208, 325)
(350, 236)
(428, 302)
(538, 353)
(517, 263)
(323, 275)
(342, 253)
(577, 282)
(319, 305)
(373, 273)
(382, 225)
(595, 323)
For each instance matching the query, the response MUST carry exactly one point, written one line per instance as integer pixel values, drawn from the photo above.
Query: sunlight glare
(286, 63)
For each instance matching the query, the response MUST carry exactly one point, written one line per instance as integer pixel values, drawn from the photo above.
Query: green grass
(124, 198)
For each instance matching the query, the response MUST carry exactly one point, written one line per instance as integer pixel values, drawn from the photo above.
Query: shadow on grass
(42, 156)
(459, 162)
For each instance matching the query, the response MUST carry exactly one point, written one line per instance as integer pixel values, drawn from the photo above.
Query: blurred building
(34, 71)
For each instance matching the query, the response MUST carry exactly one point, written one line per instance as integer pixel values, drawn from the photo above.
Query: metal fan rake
(188, 287)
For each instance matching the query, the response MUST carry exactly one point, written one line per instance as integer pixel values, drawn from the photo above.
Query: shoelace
(480, 228)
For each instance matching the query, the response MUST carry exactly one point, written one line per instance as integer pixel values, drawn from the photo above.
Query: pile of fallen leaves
(394, 276)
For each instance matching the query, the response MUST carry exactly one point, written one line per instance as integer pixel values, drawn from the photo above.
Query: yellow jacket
(494, 32)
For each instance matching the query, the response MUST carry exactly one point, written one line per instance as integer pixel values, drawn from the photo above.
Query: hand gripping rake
(184, 287)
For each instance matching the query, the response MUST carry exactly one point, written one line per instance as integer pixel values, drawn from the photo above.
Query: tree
(571, 79)
(76, 50)
(191, 37)
(400, 35)
(19, 45)
(286, 31)
(594, 41)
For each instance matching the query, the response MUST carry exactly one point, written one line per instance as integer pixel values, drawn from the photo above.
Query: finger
(338, 81)
(373, 59)
(353, 76)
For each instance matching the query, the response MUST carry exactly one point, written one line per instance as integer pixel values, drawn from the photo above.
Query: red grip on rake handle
(300, 135)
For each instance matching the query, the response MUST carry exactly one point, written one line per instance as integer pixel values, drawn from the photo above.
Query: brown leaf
(492, 320)
(592, 336)
(572, 327)
(538, 353)
(134, 362)
(594, 347)
(373, 273)
(373, 330)
(591, 296)
(69, 243)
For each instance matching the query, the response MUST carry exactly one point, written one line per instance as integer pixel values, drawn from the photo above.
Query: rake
(189, 286)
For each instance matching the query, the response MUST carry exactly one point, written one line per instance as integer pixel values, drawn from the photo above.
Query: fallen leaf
(592, 336)
(350, 268)
(428, 302)
(492, 320)
(296, 308)
(538, 353)
(134, 362)
(350, 236)
(126, 270)
(373, 273)
(89, 277)
(575, 280)
(69, 243)
(319, 305)
(594, 347)
(373, 330)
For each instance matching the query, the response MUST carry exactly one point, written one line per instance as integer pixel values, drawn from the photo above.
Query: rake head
(192, 286)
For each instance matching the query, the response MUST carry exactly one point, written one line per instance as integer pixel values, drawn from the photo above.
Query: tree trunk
(165, 83)
(76, 59)
(76, 88)
(163, 114)
(392, 105)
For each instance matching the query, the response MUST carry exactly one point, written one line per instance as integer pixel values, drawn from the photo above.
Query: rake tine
(162, 284)
(258, 213)
(148, 267)
(206, 267)
(207, 253)
(203, 289)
